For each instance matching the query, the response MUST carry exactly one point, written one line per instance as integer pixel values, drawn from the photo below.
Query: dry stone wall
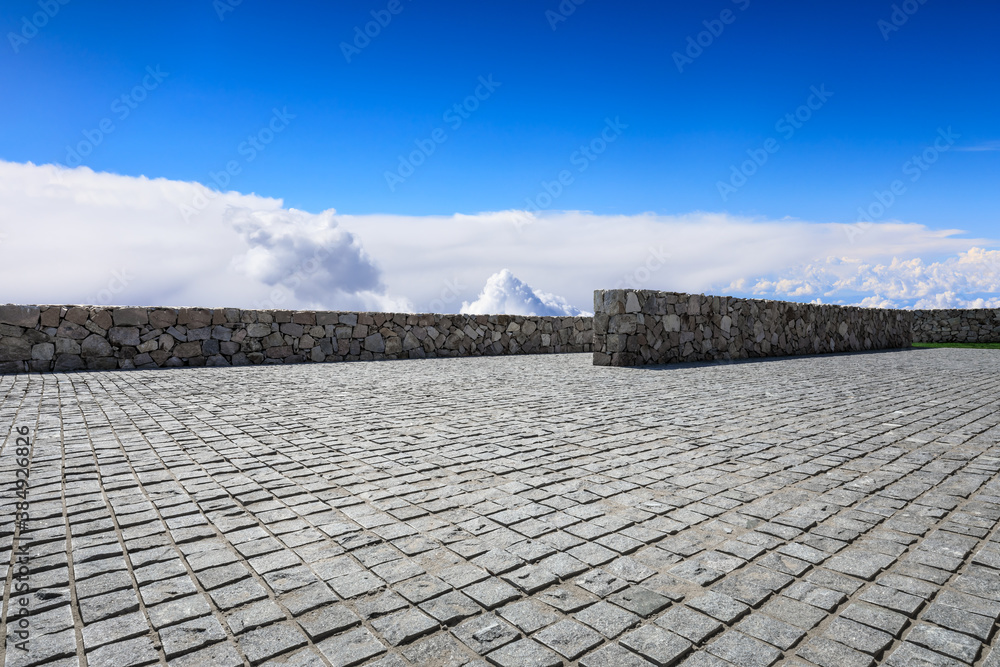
(977, 325)
(636, 327)
(68, 338)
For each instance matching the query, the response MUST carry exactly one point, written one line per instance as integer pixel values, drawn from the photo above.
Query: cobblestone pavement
(515, 511)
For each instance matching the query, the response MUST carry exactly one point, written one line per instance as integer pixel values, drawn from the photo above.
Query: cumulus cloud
(77, 236)
(969, 279)
(309, 254)
(505, 294)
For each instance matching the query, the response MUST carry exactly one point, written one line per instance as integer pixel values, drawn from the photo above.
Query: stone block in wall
(14, 349)
(162, 318)
(19, 316)
(194, 318)
(50, 316)
(374, 343)
(129, 317)
(123, 335)
(77, 315)
(186, 350)
(68, 362)
(101, 363)
(94, 346)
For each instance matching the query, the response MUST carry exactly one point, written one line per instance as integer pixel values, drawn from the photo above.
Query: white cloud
(75, 236)
(968, 279)
(952, 300)
(505, 294)
(308, 254)
(441, 259)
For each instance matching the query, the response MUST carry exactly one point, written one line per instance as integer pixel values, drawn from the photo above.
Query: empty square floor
(510, 511)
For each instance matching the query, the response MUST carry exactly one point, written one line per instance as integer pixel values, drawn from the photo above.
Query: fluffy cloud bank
(504, 293)
(971, 279)
(442, 259)
(76, 236)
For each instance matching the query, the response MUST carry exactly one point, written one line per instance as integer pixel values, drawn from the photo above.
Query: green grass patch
(974, 346)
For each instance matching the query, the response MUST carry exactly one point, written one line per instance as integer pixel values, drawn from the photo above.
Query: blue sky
(557, 79)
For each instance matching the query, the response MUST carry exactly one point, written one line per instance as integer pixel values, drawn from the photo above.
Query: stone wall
(66, 338)
(978, 325)
(633, 328)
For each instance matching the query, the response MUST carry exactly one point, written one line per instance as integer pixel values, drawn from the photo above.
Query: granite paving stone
(963, 621)
(776, 633)
(485, 633)
(254, 616)
(657, 645)
(743, 651)
(827, 653)
(689, 624)
(524, 653)
(614, 655)
(719, 606)
(948, 642)
(640, 600)
(440, 650)
(858, 636)
(912, 655)
(607, 618)
(178, 610)
(272, 640)
(191, 635)
(351, 648)
(876, 617)
(404, 626)
(491, 593)
(450, 607)
(531, 615)
(115, 629)
(513, 511)
(129, 653)
(569, 638)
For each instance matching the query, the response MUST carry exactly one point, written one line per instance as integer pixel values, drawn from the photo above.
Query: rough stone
(165, 337)
(19, 316)
(96, 346)
(641, 328)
